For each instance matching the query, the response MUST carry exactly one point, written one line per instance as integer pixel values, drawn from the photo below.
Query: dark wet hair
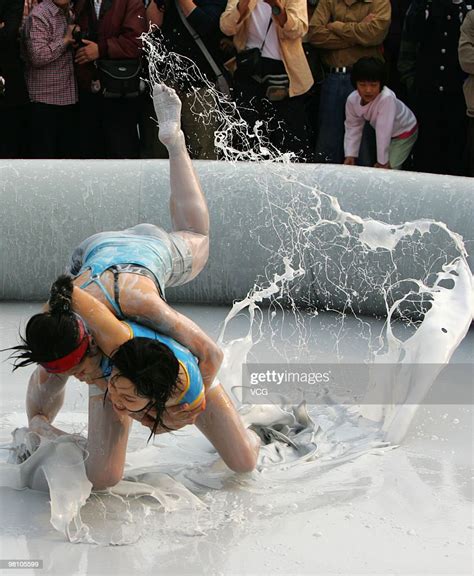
(49, 335)
(369, 70)
(153, 369)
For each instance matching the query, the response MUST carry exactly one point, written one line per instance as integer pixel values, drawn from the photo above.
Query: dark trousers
(286, 121)
(470, 146)
(332, 114)
(53, 131)
(150, 146)
(442, 133)
(108, 126)
(14, 134)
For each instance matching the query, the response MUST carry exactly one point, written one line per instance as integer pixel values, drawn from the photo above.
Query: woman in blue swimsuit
(124, 274)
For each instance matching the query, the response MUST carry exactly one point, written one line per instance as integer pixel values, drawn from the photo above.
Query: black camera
(79, 36)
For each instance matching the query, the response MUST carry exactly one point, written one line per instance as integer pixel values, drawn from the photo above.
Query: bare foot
(168, 111)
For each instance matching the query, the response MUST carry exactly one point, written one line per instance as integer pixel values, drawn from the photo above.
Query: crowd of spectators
(384, 83)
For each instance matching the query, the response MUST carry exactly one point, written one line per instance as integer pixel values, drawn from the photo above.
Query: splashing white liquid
(308, 230)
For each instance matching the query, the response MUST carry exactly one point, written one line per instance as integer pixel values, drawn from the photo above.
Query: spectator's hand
(243, 6)
(368, 18)
(87, 53)
(350, 161)
(75, 28)
(2, 24)
(281, 18)
(378, 165)
(68, 38)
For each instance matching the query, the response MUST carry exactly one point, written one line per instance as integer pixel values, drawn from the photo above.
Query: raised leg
(223, 427)
(188, 207)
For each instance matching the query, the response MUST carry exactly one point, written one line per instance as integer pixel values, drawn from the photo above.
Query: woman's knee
(245, 458)
(244, 463)
(103, 481)
(101, 478)
(200, 250)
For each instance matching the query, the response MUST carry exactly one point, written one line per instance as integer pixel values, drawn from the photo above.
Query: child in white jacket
(395, 124)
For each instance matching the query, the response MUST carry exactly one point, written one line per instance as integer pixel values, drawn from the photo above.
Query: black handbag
(120, 78)
(249, 62)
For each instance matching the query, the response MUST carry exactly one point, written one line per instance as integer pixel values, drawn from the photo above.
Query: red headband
(73, 358)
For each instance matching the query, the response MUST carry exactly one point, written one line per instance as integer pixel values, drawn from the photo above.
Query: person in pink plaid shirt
(48, 40)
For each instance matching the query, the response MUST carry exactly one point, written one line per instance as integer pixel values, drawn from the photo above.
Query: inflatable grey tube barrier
(48, 207)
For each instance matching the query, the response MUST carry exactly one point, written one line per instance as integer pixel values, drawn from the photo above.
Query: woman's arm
(108, 332)
(232, 18)
(353, 129)
(203, 16)
(148, 307)
(44, 399)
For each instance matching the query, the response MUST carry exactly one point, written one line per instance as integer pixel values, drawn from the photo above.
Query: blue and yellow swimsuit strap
(193, 392)
(130, 329)
(95, 279)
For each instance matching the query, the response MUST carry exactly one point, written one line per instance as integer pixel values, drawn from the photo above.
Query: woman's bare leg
(188, 206)
(223, 427)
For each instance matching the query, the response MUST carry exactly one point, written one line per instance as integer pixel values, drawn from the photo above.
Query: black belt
(340, 70)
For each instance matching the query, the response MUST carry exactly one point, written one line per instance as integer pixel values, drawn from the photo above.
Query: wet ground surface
(403, 511)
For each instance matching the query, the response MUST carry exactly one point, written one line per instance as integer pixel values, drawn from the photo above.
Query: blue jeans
(332, 113)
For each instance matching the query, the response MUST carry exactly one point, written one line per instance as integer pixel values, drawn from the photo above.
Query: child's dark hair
(369, 70)
(153, 369)
(50, 335)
